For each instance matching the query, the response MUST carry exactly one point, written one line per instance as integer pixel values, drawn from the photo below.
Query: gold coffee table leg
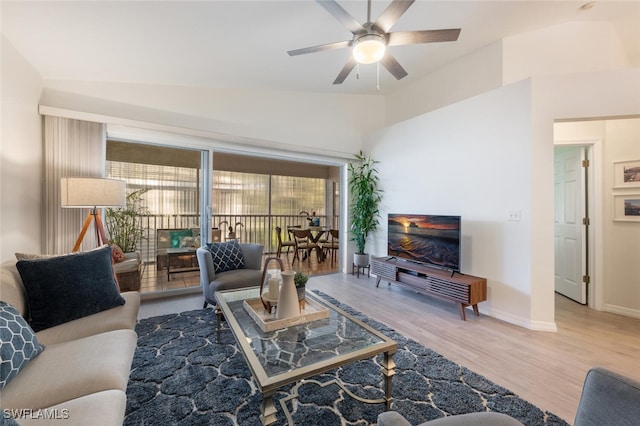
(218, 321)
(268, 409)
(388, 370)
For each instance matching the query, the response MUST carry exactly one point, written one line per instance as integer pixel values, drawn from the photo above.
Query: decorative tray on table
(312, 311)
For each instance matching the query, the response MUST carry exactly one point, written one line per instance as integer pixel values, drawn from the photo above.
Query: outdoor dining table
(317, 232)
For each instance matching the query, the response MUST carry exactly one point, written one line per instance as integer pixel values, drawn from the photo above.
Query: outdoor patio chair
(332, 245)
(304, 245)
(281, 243)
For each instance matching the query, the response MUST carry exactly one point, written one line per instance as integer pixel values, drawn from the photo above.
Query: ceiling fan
(370, 39)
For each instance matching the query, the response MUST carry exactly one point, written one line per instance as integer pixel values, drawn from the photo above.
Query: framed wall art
(626, 174)
(626, 207)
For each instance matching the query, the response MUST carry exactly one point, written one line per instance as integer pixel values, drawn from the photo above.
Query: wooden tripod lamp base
(101, 235)
(91, 193)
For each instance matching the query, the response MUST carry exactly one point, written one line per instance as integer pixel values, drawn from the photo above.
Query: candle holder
(270, 300)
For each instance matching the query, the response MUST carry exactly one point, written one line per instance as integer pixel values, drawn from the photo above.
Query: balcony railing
(248, 228)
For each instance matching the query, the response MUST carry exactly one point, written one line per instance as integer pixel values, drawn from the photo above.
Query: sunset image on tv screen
(431, 239)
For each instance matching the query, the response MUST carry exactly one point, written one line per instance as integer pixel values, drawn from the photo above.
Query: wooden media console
(464, 290)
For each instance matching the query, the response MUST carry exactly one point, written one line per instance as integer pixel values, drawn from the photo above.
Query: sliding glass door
(188, 197)
(168, 182)
(252, 205)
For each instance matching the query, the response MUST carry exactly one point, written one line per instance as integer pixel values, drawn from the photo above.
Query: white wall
(620, 286)
(471, 75)
(622, 243)
(561, 49)
(470, 159)
(490, 154)
(567, 48)
(20, 155)
(326, 122)
(581, 95)
(564, 97)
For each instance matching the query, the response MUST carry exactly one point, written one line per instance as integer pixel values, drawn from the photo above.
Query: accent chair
(608, 399)
(248, 276)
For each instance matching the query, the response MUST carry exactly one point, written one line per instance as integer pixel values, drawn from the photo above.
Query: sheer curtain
(71, 148)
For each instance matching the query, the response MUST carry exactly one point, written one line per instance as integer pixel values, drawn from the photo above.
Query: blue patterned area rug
(182, 376)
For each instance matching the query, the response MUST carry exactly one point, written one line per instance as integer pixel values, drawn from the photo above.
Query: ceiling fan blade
(427, 36)
(392, 13)
(350, 65)
(320, 48)
(393, 66)
(342, 15)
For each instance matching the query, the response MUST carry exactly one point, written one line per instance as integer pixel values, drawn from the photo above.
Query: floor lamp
(92, 193)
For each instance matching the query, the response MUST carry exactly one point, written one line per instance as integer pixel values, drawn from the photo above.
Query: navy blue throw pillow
(226, 256)
(64, 288)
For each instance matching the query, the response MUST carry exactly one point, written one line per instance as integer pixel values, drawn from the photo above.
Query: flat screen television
(430, 239)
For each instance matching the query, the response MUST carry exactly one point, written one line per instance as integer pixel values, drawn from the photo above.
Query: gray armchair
(250, 276)
(608, 399)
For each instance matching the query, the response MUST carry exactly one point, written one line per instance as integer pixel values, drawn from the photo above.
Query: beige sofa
(81, 376)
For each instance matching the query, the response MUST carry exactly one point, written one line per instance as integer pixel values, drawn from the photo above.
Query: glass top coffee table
(293, 354)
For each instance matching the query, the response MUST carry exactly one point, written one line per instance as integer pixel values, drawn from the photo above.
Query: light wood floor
(547, 369)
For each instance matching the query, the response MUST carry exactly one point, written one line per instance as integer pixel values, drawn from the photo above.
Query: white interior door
(570, 251)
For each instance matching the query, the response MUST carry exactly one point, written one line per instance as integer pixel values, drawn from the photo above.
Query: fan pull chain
(378, 76)
(358, 71)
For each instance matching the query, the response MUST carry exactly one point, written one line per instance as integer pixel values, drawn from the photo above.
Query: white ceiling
(243, 44)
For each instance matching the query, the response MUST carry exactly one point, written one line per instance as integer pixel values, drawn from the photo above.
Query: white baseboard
(523, 322)
(621, 310)
(549, 326)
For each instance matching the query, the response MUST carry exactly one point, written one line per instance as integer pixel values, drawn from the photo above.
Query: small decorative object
(300, 279)
(271, 294)
(308, 217)
(232, 235)
(274, 288)
(288, 306)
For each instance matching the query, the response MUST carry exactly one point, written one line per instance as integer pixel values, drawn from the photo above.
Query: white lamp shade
(79, 192)
(369, 49)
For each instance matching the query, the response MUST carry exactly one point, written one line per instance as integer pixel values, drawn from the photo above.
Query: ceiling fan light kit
(369, 49)
(371, 38)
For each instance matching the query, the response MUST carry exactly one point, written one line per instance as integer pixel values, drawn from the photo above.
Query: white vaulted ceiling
(243, 44)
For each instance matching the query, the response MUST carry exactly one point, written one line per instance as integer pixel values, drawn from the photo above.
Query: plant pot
(361, 260)
(301, 293)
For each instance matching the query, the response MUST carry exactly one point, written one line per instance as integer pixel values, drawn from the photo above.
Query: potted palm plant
(124, 224)
(364, 212)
